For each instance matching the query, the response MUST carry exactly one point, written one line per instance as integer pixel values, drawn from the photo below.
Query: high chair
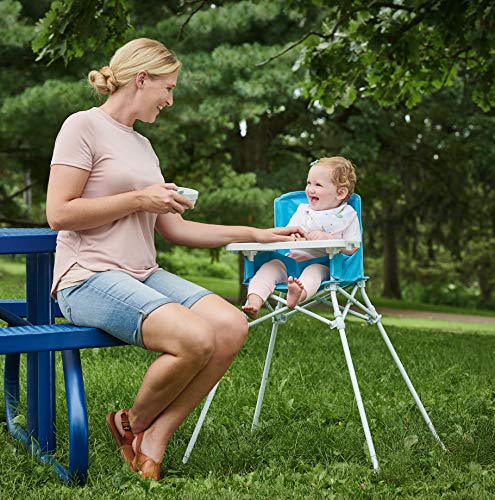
(345, 272)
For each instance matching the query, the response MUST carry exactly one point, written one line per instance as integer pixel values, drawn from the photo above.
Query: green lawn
(310, 443)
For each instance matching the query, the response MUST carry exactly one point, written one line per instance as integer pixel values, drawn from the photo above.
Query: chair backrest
(344, 267)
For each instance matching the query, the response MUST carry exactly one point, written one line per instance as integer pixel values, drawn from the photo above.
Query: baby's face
(321, 192)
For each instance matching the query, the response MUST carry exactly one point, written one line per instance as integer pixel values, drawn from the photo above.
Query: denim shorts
(118, 303)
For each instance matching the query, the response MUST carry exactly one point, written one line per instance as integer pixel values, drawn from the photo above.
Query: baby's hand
(298, 237)
(318, 235)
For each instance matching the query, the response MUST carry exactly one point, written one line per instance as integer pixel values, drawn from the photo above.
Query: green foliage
(430, 179)
(399, 51)
(71, 27)
(190, 262)
(13, 31)
(235, 200)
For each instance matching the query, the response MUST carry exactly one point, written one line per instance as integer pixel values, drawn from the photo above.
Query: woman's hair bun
(103, 80)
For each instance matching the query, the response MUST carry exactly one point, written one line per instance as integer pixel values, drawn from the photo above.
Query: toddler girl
(327, 216)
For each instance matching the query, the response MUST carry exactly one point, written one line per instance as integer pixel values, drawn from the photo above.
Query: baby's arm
(321, 235)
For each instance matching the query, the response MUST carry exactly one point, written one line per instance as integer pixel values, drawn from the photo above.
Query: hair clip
(314, 162)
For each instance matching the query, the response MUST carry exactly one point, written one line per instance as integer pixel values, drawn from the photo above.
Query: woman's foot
(148, 459)
(252, 306)
(296, 292)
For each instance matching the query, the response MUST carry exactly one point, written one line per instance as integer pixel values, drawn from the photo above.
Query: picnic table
(39, 337)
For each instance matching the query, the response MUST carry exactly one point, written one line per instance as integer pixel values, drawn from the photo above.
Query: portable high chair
(345, 272)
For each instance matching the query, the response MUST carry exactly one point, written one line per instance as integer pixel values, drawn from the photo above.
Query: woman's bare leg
(175, 384)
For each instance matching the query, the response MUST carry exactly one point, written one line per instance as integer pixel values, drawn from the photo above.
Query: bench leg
(77, 415)
(11, 396)
(41, 366)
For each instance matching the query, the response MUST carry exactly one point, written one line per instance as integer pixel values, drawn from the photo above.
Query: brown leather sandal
(145, 465)
(124, 442)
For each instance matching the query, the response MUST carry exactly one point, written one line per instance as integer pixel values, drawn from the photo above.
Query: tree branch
(290, 47)
(321, 35)
(201, 5)
(17, 193)
(418, 19)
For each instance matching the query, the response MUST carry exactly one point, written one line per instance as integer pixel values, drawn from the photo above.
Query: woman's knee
(180, 333)
(197, 344)
(231, 329)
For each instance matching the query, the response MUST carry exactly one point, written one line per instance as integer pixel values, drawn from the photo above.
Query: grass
(310, 443)
(420, 306)
(439, 325)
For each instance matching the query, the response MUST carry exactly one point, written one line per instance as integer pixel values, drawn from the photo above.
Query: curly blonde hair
(342, 173)
(134, 56)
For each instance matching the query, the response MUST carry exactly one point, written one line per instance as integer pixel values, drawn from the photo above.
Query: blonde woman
(106, 197)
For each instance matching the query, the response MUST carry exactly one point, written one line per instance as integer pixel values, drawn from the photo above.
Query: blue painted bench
(67, 338)
(39, 343)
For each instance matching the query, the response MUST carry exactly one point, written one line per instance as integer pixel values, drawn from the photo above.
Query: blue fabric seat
(344, 269)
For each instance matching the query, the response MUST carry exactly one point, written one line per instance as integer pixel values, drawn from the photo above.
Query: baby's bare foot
(296, 292)
(251, 311)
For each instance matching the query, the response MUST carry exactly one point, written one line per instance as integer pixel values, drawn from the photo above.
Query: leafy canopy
(71, 27)
(398, 51)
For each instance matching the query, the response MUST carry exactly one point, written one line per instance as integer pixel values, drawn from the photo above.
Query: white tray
(331, 246)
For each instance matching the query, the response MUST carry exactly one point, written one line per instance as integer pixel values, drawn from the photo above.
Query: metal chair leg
(357, 394)
(266, 369)
(401, 368)
(199, 424)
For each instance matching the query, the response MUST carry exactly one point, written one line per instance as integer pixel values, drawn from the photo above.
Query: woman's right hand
(163, 199)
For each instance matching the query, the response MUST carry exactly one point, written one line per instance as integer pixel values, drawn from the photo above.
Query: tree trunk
(28, 193)
(485, 283)
(391, 285)
(242, 288)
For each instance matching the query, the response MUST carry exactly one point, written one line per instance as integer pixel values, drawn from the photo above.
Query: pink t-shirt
(120, 160)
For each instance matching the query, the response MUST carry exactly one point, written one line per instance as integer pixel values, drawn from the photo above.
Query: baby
(327, 216)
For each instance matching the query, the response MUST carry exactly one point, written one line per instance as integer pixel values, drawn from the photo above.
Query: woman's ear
(140, 78)
(342, 192)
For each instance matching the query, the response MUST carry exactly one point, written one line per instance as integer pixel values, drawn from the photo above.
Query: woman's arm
(66, 210)
(196, 234)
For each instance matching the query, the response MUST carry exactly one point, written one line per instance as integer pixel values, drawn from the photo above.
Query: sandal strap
(124, 418)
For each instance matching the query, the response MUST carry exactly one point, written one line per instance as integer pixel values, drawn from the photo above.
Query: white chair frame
(327, 295)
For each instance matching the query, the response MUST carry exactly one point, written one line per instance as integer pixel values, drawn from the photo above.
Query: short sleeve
(74, 143)
(353, 232)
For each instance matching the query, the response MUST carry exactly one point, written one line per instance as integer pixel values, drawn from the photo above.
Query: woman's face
(155, 94)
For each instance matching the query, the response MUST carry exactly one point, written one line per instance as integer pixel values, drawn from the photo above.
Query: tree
(341, 79)
(397, 51)
(393, 51)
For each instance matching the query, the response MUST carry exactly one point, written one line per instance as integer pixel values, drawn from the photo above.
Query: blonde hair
(134, 56)
(342, 173)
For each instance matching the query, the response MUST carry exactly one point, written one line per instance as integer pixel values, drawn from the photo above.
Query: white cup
(190, 194)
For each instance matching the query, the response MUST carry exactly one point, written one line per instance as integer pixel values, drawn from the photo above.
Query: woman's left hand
(279, 234)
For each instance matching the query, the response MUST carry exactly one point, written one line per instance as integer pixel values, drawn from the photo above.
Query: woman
(106, 196)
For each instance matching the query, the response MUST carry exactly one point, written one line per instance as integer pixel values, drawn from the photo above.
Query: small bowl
(190, 194)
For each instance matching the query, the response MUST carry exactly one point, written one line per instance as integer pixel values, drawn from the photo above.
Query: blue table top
(27, 240)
